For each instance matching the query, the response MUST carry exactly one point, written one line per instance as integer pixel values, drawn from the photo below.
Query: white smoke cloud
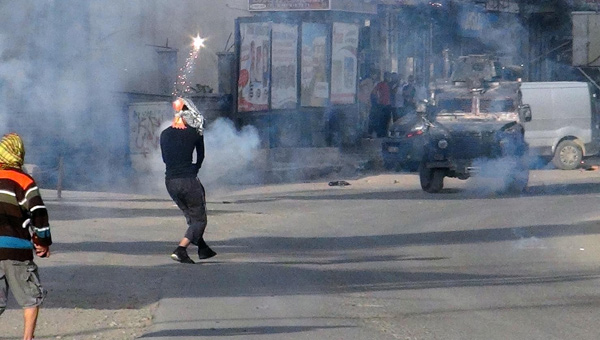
(230, 154)
(498, 176)
(492, 177)
(66, 66)
(55, 95)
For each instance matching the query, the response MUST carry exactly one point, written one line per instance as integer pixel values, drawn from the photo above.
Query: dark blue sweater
(177, 148)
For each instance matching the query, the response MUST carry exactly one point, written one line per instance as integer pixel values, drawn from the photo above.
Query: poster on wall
(284, 64)
(254, 78)
(344, 45)
(313, 77)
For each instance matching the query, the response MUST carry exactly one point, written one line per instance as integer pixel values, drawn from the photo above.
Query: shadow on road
(276, 245)
(241, 331)
(415, 239)
(446, 194)
(128, 287)
(74, 212)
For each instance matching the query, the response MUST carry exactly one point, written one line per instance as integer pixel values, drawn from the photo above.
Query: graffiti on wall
(145, 120)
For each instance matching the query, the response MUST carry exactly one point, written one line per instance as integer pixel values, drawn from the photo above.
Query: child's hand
(41, 251)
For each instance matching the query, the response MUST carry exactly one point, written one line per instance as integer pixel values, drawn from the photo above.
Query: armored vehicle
(476, 128)
(403, 147)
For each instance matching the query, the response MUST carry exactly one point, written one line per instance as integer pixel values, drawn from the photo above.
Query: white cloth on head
(192, 115)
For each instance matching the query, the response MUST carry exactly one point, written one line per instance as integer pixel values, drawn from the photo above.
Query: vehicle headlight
(419, 126)
(442, 144)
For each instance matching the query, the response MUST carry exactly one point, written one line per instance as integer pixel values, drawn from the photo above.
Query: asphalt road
(378, 259)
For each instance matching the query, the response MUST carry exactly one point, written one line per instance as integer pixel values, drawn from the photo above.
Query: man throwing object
(177, 144)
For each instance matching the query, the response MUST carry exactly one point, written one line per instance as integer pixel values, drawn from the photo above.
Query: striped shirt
(22, 211)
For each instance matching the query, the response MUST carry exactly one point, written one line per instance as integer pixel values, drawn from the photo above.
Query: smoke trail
(181, 85)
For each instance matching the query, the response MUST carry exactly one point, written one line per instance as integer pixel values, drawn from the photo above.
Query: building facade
(532, 41)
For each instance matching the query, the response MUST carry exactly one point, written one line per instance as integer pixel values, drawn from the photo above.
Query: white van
(565, 125)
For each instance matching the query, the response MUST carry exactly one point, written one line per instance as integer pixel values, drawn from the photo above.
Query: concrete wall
(586, 39)
(306, 127)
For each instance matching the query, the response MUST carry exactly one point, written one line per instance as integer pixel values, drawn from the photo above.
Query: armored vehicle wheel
(568, 155)
(432, 180)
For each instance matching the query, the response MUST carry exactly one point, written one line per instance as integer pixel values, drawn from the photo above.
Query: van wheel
(568, 155)
(432, 180)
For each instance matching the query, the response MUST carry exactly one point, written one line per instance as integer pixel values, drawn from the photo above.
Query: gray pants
(22, 278)
(188, 194)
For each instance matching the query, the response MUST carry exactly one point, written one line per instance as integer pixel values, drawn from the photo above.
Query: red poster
(254, 78)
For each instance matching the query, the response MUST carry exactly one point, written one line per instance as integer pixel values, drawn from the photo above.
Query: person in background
(177, 144)
(383, 106)
(394, 83)
(365, 87)
(420, 90)
(408, 93)
(24, 229)
(398, 102)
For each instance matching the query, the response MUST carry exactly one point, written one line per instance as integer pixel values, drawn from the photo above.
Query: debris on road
(590, 168)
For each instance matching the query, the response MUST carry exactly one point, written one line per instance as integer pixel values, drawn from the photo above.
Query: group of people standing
(384, 101)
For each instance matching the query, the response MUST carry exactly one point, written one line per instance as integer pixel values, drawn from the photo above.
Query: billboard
(284, 66)
(313, 76)
(344, 46)
(254, 77)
